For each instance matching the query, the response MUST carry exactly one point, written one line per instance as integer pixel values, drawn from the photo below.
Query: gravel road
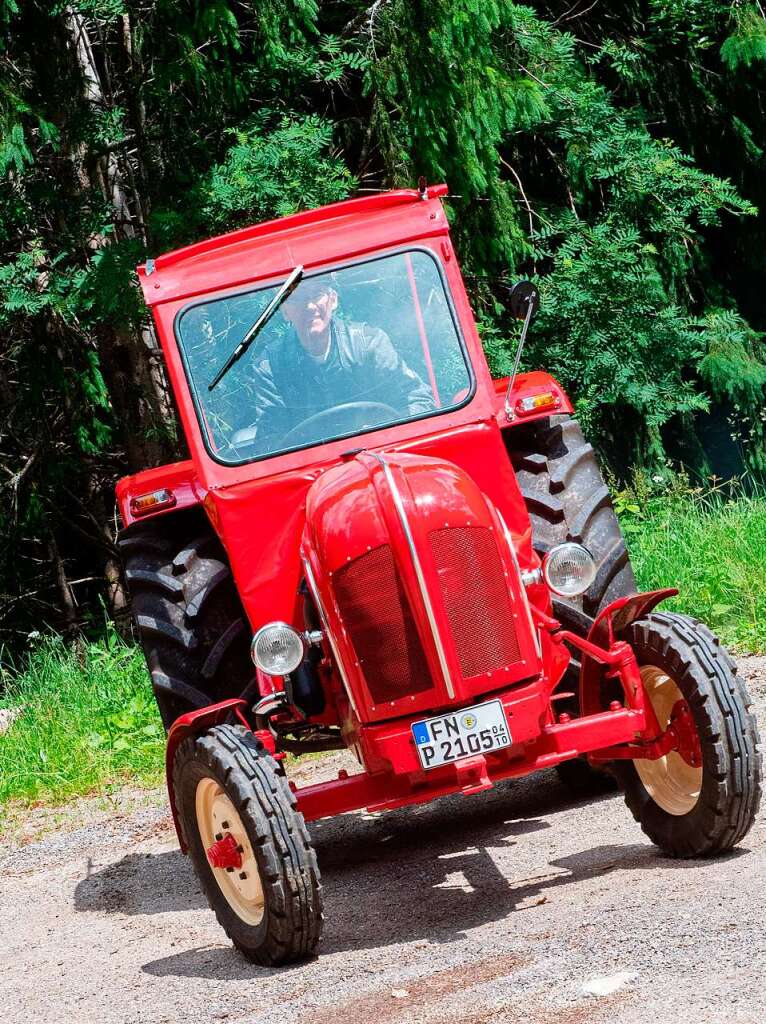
(519, 904)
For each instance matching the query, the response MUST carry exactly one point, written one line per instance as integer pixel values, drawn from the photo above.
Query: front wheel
(701, 799)
(249, 845)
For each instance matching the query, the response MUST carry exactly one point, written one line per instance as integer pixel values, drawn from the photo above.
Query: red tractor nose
(225, 853)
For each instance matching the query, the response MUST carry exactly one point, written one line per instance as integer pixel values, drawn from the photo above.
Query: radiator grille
(475, 594)
(379, 620)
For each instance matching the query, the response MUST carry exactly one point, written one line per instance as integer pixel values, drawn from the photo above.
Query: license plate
(477, 730)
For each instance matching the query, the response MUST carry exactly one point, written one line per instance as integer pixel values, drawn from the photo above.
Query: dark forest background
(614, 149)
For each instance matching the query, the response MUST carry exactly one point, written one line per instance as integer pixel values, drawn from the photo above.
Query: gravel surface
(514, 905)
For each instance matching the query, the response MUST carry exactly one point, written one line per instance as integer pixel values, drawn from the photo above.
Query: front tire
(687, 808)
(270, 902)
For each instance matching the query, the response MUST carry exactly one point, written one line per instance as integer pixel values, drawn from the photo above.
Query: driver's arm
(404, 386)
(269, 406)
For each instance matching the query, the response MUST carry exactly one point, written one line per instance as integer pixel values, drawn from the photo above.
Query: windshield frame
(327, 268)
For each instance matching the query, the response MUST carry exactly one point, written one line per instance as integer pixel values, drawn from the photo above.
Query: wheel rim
(673, 784)
(217, 818)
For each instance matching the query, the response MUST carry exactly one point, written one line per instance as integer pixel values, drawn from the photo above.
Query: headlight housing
(277, 649)
(569, 569)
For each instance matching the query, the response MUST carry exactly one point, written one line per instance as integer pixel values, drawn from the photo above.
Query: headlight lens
(569, 569)
(277, 649)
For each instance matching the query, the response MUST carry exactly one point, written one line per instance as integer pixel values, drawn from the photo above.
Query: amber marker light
(536, 403)
(152, 502)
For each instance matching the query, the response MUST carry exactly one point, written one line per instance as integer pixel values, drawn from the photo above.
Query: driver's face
(309, 309)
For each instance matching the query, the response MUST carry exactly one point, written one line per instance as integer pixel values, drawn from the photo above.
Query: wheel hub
(684, 732)
(225, 853)
(229, 851)
(674, 780)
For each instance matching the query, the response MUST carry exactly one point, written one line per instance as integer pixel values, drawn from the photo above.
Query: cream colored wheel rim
(242, 887)
(673, 784)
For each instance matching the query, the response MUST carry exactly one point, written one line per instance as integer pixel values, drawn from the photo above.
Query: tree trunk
(136, 386)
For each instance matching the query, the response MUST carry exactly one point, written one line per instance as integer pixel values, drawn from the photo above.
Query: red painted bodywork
(527, 385)
(311, 512)
(180, 478)
(610, 625)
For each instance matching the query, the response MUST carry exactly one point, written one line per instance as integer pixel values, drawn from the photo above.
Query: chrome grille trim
(522, 588)
(399, 505)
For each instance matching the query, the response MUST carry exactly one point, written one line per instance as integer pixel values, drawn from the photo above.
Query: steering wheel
(355, 412)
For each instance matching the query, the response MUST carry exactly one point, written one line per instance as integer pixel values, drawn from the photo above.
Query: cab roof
(329, 234)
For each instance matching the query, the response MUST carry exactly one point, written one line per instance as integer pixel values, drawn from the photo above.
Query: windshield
(349, 351)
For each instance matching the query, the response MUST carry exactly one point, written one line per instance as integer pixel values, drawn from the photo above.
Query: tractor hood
(417, 580)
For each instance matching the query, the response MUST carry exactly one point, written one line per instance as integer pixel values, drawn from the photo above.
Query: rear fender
(192, 724)
(611, 624)
(180, 481)
(529, 385)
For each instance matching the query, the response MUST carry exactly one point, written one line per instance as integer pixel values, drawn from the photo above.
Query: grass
(713, 548)
(88, 722)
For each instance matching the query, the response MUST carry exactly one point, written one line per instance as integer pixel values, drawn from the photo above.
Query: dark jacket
(361, 366)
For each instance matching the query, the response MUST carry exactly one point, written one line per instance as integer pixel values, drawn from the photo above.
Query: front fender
(610, 624)
(191, 724)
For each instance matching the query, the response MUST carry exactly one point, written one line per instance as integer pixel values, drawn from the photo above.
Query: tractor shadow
(431, 872)
(141, 883)
(163, 882)
(420, 873)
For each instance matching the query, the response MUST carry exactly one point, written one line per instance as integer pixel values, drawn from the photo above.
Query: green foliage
(735, 374)
(88, 719)
(274, 171)
(607, 330)
(447, 117)
(711, 544)
(747, 43)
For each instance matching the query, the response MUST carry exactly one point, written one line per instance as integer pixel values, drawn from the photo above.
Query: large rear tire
(186, 611)
(567, 500)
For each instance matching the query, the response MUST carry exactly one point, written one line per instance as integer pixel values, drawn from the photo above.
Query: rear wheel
(187, 612)
(249, 845)
(702, 798)
(567, 500)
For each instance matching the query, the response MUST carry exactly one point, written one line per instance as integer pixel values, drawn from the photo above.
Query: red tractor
(375, 546)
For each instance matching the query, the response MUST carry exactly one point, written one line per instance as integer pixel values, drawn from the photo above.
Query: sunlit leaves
(274, 169)
(747, 43)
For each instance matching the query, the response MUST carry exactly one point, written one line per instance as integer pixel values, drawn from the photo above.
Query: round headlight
(569, 569)
(277, 649)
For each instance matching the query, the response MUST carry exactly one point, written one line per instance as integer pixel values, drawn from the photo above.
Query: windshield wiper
(288, 287)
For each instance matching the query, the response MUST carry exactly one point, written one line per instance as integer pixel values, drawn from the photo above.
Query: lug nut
(243, 875)
(219, 836)
(224, 824)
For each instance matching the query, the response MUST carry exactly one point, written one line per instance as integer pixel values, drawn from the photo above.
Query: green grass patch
(88, 722)
(713, 548)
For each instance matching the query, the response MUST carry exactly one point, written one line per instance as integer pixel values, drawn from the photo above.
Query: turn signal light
(536, 403)
(152, 502)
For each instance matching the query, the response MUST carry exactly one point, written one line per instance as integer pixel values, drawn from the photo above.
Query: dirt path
(515, 905)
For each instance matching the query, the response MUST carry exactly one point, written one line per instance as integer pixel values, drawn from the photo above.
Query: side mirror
(522, 296)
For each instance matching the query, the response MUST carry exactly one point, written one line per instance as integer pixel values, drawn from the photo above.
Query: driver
(325, 362)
